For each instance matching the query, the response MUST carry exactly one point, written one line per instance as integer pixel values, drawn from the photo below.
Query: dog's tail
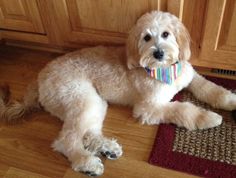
(11, 111)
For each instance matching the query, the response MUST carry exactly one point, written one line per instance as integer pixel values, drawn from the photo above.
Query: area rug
(206, 153)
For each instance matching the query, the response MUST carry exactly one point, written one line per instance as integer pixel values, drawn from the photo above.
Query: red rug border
(165, 157)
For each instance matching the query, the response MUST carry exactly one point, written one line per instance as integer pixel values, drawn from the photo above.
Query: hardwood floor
(25, 149)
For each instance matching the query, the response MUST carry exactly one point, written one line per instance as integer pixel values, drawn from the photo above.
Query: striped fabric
(165, 75)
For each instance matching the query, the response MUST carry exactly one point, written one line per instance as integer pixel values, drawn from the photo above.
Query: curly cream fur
(76, 88)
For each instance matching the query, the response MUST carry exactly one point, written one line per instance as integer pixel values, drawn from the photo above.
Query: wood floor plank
(19, 173)
(3, 169)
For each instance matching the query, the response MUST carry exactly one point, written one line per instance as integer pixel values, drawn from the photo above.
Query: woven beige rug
(206, 153)
(217, 144)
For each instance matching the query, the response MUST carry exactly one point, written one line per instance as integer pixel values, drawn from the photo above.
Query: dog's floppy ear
(132, 49)
(183, 40)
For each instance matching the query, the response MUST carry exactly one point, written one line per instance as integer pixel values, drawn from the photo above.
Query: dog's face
(158, 39)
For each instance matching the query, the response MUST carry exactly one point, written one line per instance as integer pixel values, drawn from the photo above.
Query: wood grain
(104, 21)
(195, 23)
(25, 149)
(21, 15)
(29, 37)
(176, 7)
(216, 50)
(72, 23)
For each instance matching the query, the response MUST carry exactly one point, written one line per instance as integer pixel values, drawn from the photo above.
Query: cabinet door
(218, 43)
(101, 21)
(20, 15)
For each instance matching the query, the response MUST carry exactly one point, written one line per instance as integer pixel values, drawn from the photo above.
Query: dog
(76, 88)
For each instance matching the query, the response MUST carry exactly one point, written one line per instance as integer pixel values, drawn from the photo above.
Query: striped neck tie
(166, 75)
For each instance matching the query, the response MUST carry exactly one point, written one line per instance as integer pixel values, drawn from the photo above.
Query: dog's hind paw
(91, 166)
(111, 149)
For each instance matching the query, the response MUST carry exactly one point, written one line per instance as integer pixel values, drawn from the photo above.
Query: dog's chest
(163, 93)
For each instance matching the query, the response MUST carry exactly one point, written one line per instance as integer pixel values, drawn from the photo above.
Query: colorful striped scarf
(165, 75)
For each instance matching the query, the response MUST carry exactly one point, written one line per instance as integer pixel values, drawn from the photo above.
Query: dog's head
(158, 39)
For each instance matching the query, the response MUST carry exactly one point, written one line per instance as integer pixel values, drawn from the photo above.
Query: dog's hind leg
(83, 113)
(70, 144)
(93, 139)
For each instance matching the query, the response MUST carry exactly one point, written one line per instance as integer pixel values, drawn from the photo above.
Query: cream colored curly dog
(77, 86)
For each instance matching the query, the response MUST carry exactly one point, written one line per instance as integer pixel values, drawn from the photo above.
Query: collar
(166, 75)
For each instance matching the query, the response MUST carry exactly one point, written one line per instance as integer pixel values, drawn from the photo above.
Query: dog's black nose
(159, 54)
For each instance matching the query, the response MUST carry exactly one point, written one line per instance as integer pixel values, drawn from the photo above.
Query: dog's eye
(147, 37)
(165, 34)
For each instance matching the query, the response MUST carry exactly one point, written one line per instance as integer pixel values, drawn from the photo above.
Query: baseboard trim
(213, 73)
(38, 47)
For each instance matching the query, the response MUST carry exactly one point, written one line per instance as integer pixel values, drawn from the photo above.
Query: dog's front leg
(183, 114)
(212, 94)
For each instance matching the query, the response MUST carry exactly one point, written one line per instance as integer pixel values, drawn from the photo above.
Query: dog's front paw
(228, 102)
(208, 119)
(111, 149)
(91, 165)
